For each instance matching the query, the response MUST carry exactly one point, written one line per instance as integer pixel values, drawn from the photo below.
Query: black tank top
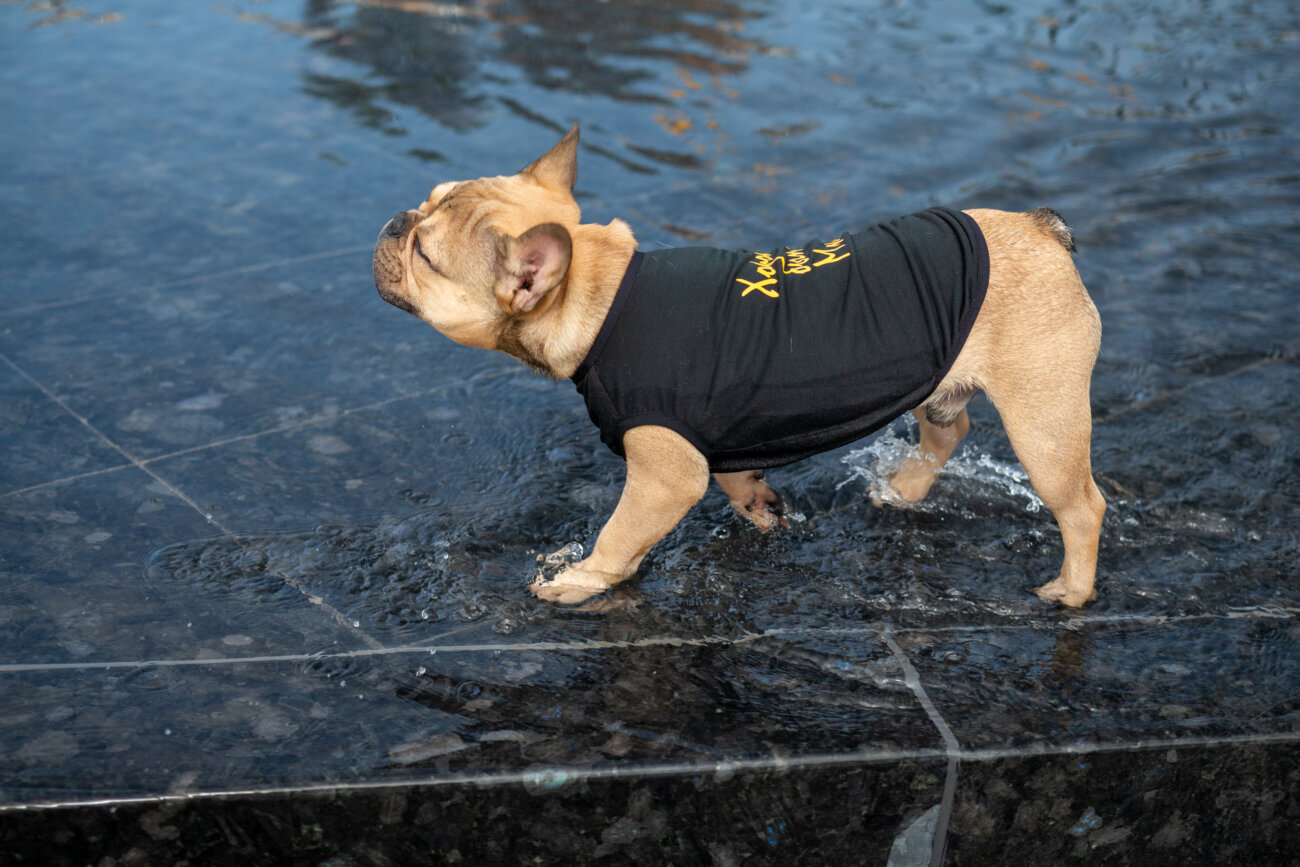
(761, 359)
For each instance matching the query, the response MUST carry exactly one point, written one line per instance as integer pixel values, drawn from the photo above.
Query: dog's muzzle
(387, 264)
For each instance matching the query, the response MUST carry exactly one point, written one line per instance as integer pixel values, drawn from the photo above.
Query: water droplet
(471, 611)
(507, 626)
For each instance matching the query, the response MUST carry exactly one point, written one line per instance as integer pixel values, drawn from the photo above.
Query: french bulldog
(696, 360)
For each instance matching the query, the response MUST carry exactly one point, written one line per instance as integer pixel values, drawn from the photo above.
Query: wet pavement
(264, 540)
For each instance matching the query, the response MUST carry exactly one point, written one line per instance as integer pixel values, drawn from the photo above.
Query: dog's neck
(556, 338)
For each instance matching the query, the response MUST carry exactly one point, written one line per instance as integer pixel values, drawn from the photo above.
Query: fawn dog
(697, 360)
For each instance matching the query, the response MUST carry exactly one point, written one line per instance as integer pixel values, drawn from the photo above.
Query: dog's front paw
(766, 516)
(1058, 591)
(570, 553)
(754, 500)
(572, 584)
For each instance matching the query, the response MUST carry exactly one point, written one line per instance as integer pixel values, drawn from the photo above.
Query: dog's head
(480, 256)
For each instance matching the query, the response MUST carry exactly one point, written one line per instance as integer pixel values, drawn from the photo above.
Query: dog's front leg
(666, 475)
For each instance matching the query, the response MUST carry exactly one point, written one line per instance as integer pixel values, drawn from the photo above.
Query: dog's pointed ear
(530, 266)
(558, 167)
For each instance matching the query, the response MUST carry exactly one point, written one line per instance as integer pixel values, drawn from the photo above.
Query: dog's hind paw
(884, 494)
(911, 483)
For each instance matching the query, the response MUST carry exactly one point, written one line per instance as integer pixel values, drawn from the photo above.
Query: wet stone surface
(1210, 805)
(827, 814)
(265, 540)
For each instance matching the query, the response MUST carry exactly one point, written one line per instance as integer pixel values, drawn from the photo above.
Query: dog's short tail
(1054, 223)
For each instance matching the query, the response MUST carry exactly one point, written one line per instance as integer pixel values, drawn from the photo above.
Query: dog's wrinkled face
(478, 255)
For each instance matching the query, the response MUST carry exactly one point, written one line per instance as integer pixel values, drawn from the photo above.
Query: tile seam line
(429, 649)
(409, 649)
(952, 749)
(190, 281)
(566, 775)
(66, 479)
(560, 775)
(1281, 612)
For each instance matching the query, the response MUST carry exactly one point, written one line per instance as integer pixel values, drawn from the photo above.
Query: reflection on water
(458, 62)
(57, 11)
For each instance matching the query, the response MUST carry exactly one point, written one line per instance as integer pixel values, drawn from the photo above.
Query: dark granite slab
(721, 816)
(74, 592)
(1215, 804)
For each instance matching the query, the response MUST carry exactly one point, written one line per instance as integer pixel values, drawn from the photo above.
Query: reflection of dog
(504, 263)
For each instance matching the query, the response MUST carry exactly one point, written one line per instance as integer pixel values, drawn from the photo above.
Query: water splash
(1011, 479)
(877, 461)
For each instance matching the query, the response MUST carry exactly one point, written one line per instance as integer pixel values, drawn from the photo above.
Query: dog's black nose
(397, 226)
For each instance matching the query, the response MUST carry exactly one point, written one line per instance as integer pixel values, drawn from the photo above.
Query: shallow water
(248, 490)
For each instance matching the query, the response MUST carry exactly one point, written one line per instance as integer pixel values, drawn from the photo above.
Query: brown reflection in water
(456, 62)
(1070, 657)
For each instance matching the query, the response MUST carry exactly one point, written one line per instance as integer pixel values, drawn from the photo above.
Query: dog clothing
(762, 359)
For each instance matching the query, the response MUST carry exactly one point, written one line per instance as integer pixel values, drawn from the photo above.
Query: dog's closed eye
(419, 251)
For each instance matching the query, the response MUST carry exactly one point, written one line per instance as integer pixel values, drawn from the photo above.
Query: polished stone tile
(78, 586)
(826, 815)
(1219, 804)
(178, 368)
(1118, 682)
(455, 440)
(704, 702)
(368, 718)
(41, 441)
(200, 727)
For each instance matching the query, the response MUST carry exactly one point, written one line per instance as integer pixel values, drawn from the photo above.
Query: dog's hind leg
(1049, 423)
(943, 423)
(1032, 351)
